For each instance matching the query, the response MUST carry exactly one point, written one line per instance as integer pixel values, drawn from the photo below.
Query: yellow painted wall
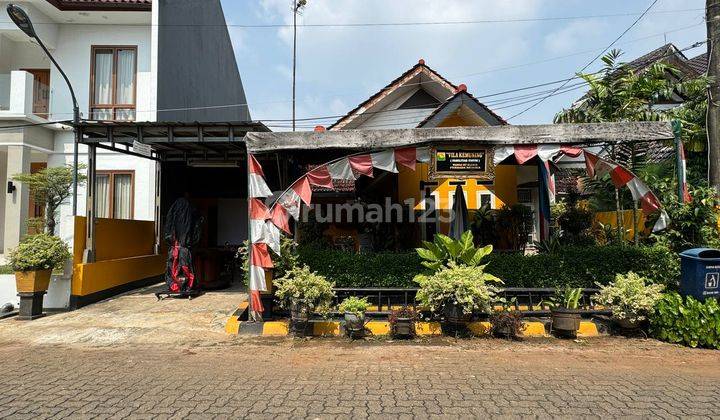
(610, 218)
(124, 250)
(504, 185)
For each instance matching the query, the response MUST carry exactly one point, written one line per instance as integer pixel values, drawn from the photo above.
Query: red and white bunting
(384, 160)
(257, 187)
(261, 256)
(301, 187)
(321, 177)
(341, 170)
(291, 202)
(281, 218)
(362, 164)
(524, 153)
(406, 156)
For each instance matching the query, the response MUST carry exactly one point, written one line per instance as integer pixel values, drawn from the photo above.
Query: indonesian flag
(362, 164)
(257, 187)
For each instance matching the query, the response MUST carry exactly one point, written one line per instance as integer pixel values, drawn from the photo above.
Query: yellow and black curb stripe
(335, 328)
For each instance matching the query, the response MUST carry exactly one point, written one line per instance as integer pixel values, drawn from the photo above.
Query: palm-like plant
(444, 251)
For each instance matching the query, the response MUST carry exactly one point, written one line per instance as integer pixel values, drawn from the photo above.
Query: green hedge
(573, 266)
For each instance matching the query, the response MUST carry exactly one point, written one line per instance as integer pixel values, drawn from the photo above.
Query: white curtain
(122, 198)
(102, 191)
(103, 77)
(125, 77)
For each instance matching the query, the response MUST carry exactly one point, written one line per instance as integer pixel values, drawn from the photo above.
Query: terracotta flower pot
(32, 281)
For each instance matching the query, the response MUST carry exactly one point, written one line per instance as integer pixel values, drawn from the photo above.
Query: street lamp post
(22, 21)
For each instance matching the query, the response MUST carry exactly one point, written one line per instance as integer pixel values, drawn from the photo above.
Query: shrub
(354, 304)
(466, 287)
(687, 321)
(567, 266)
(445, 250)
(39, 252)
(630, 296)
(302, 287)
(507, 323)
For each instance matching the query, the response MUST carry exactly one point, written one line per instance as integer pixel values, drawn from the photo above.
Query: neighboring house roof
(671, 55)
(699, 63)
(111, 5)
(421, 105)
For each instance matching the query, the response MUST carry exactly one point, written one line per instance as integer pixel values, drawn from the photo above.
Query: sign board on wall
(462, 162)
(142, 148)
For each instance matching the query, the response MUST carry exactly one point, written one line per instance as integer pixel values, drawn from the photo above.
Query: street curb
(379, 328)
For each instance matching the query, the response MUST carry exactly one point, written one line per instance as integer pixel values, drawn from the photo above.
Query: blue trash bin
(700, 270)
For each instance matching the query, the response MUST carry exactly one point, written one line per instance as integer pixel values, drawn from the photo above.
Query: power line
(383, 24)
(591, 61)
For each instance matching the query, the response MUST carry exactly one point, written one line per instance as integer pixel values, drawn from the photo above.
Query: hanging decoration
(267, 223)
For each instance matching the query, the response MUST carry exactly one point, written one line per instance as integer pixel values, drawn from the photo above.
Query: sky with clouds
(339, 67)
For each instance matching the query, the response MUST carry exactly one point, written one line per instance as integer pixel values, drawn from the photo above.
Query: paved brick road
(335, 378)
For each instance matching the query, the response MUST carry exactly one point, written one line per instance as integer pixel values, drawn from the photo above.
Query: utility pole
(713, 109)
(297, 5)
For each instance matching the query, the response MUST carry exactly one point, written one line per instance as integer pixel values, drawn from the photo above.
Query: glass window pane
(103, 77)
(123, 114)
(102, 191)
(100, 114)
(485, 200)
(125, 77)
(122, 197)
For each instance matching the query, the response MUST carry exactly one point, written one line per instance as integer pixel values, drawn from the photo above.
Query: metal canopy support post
(90, 205)
(158, 200)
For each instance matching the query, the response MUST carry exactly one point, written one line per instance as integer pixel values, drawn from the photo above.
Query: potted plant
(303, 292)
(455, 292)
(354, 309)
(33, 261)
(565, 311)
(631, 299)
(507, 324)
(402, 322)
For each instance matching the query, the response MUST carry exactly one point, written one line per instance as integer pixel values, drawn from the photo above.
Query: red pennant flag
(255, 301)
(523, 153)
(571, 151)
(362, 164)
(280, 218)
(255, 167)
(258, 210)
(261, 256)
(320, 176)
(621, 176)
(302, 189)
(590, 162)
(406, 157)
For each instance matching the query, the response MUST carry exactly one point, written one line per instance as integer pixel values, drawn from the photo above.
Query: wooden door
(41, 91)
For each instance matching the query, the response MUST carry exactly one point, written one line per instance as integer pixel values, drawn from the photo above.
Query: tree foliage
(50, 187)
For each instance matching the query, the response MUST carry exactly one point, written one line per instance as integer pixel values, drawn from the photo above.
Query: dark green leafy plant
(445, 250)
(565, 298)
(687, 321)
(484, 226)
(694, 224)
(39, 252)
(303, 287)
(516, 224)
(567, 266)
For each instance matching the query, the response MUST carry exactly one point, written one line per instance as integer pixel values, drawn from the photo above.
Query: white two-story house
(139, 60)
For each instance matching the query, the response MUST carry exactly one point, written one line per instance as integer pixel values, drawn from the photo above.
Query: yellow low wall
(610, 218)
(124, 255)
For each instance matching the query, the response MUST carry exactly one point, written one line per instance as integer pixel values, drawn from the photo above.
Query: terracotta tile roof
(118, 5)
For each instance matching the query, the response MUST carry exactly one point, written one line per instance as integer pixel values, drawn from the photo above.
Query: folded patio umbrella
(458, 215)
